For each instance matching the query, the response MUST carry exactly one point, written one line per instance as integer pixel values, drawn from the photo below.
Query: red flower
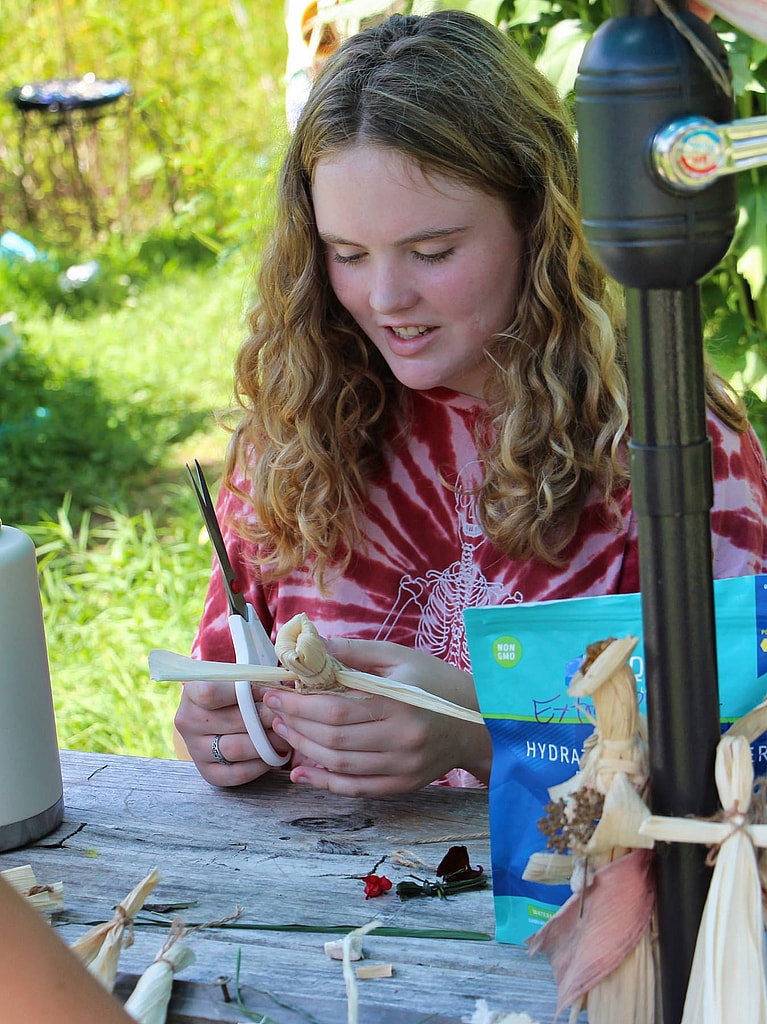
(376, 885)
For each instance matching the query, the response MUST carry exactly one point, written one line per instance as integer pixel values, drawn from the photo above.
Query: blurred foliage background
(127, 243)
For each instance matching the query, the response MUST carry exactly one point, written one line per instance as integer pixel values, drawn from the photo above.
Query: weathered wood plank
(286, 855)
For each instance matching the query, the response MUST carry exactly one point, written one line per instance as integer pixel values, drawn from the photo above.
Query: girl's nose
(392, 290)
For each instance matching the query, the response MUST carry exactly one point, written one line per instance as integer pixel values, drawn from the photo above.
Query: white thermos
(31, 791)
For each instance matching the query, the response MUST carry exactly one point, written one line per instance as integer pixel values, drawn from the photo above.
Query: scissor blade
(237, 603)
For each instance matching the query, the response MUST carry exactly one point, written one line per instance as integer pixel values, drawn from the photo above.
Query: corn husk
(728, 976)
(748, 15)
(484, 1015)
(99, 948)
(307, 664)
(148, 1002)
(350, 946)
(48, 899)
(600, 942)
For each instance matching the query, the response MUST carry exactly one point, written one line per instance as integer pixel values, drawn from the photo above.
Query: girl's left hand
(377, 746)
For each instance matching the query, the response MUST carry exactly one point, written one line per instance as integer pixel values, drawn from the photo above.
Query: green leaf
(751, 239)
(527, 12)
(562, 53)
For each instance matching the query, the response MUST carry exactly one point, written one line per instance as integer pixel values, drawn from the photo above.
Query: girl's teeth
(409, 332)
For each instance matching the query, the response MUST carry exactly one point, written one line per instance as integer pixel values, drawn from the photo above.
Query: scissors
(252, 645)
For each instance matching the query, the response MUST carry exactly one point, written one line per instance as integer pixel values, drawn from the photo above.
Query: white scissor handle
(252, 646)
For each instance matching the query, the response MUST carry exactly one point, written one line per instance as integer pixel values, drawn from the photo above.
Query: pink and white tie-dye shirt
(426, 558)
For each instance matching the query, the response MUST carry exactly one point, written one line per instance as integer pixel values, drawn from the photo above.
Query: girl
(435, 406)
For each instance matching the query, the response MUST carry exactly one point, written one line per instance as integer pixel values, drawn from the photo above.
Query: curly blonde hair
(459, 98)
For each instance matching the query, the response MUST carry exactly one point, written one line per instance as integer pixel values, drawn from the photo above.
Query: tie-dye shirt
(426, 558)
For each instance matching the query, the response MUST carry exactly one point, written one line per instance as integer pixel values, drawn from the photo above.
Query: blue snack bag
(523, 658)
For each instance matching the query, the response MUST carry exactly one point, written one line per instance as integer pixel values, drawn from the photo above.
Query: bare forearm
(41, 980)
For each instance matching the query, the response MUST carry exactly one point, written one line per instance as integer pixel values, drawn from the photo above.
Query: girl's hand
(209, 710)
(377, 746)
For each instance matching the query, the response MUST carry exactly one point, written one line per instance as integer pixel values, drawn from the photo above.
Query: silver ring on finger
(216, 751)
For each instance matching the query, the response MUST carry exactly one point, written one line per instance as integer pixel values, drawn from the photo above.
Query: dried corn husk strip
(548, 868)
(484, 1015)
(751, 725)
(99, 948)
(148, 1002)
(351, 940)
(309, 657)
(587, 939)
(20, 878)
(623, 813)
(749, 15)
(727, 981)
(375, 971)
(48, 899)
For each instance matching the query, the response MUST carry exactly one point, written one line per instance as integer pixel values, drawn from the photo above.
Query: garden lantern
(658, 146)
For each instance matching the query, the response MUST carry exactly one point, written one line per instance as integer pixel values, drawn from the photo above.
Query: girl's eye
(342, 258)
(433, 257)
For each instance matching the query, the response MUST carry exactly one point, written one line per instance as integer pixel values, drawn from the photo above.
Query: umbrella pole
(636, 74)
(672, 492)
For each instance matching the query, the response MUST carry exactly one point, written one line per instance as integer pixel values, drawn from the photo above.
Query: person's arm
(41, 979)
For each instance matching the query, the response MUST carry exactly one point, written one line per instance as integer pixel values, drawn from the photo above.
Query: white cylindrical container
(31, 790)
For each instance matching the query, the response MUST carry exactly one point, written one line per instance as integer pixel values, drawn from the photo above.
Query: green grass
(113, 587)
(123, 565)
(106, 391)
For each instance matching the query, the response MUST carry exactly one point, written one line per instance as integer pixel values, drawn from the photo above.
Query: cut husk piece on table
(99, 948)
(48, 899)
(727, 980)
(309, 665)
(148, 1002)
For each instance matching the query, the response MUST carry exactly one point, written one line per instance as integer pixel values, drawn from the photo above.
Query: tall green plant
(734, 294)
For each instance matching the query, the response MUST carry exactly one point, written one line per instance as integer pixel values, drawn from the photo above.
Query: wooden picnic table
(287, 855)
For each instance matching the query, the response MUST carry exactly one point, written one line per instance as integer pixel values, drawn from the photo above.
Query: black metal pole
(637, 73)
(672, 494)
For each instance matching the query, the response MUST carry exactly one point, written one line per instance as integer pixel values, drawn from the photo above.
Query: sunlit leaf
(527, 12)
(751, 238)
(562, 53)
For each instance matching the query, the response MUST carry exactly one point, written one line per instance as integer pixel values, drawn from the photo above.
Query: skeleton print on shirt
(442, 594)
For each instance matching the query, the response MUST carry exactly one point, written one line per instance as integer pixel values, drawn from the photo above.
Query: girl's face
(427, 267)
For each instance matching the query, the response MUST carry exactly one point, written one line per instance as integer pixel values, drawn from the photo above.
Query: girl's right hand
(210, 710)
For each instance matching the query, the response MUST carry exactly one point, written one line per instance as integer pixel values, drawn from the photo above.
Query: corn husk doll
(728, 978)
(600, 942)
(99, 948)
(148, 1002)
